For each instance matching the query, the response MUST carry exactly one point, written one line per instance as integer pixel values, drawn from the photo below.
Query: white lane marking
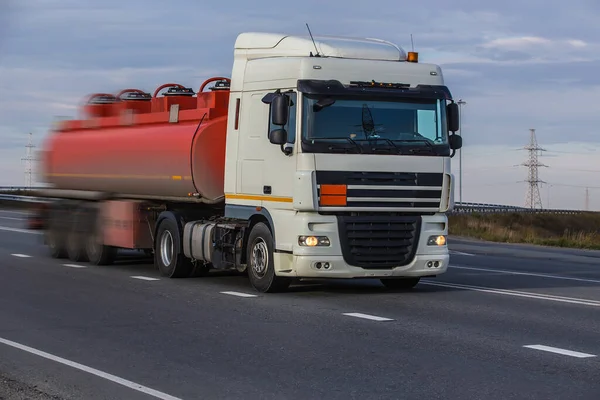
(13, 218)
(14, 212)
(20, 255)
(460, 253)
(239, 294)
(9, 229)
(367, 316)
(145, 278)
(93, 371)
(74, 266)
(572, 300)
(559, 351)
(507, 272)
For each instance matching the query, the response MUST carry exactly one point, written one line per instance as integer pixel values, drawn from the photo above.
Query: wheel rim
(260, 258)
(92, 246)
(166, 248)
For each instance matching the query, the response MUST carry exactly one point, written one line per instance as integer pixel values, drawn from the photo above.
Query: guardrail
(17, 194)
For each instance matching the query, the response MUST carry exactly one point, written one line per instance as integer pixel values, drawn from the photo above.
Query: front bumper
(329, 262)
(306, 267)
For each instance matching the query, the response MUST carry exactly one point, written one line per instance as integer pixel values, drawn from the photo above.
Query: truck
(321, 157)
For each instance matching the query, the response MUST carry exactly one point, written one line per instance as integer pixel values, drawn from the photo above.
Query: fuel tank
(173, 147)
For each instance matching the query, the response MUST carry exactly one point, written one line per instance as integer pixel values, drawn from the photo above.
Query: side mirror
(280, 107)
(278, 136)
(452, 117)
(455, 142)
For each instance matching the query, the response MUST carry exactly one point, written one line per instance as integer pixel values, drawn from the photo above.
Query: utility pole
(533, 198)
(460, 103)
(28, 161)
(587, 199)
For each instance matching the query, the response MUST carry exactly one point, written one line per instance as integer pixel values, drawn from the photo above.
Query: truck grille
(392, 190)
(379, 242)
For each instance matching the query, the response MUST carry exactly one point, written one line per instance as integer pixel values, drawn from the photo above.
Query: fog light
(313, 241)
(326, 265)
(436, 264)
(429, 264)
(436, 240)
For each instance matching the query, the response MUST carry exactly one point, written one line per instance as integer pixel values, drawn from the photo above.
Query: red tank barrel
(146, 156)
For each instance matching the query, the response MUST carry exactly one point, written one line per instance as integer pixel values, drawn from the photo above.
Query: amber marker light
(413, 57)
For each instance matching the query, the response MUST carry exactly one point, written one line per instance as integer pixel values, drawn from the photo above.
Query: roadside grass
(576, 231)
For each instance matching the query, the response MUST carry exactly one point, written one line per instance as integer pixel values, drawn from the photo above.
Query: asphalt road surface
(506, 322)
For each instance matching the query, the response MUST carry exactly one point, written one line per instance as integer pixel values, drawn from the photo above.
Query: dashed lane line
(538, 275)
(12, 218)
(460, 253)
(20, 255)
(239, 294)
(145, 278)
(19, 230)
(557, 350)
(367, 316)
(93, 371)
(515, 293)
(74, 266)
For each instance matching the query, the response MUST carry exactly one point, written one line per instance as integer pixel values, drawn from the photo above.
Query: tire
(96, 252)
(76, 235)
(261, 267)
(400, 283)
(54, 235)
(168, 253)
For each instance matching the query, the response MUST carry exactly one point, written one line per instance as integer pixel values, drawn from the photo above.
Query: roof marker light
(412, 56)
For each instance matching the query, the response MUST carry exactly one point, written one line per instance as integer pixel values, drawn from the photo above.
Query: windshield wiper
(389, 142)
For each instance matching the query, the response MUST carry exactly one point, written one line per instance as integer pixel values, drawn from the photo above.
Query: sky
(518, 65)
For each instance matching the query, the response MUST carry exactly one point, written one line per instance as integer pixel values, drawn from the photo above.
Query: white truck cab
(338, 153)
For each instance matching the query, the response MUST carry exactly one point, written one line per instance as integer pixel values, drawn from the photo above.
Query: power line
(533, 198)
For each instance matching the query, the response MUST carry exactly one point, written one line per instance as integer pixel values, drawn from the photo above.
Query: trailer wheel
(261, 266)
(168, 253)
(54, 236)
(97, 252)
(76, 246)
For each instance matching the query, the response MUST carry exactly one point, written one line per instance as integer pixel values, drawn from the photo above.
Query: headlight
(436, 240)
(313, 241)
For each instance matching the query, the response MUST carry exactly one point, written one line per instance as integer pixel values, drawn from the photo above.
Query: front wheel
(400, 283)
(261, 266)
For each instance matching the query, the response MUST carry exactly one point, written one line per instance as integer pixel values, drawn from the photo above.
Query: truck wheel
(97, 252)
(261, 266)
(54, 236)
(400, 283)
(168, 253)
(76, 238)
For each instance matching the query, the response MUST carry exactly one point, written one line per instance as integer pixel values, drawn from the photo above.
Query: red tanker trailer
(132, 160)
(143, 146)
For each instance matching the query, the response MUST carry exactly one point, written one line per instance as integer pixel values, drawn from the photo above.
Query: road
(72, 331)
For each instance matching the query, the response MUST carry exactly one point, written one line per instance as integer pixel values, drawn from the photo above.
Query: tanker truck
(320, 157)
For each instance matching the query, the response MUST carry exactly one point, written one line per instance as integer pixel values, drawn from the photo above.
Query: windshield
(372, 125)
